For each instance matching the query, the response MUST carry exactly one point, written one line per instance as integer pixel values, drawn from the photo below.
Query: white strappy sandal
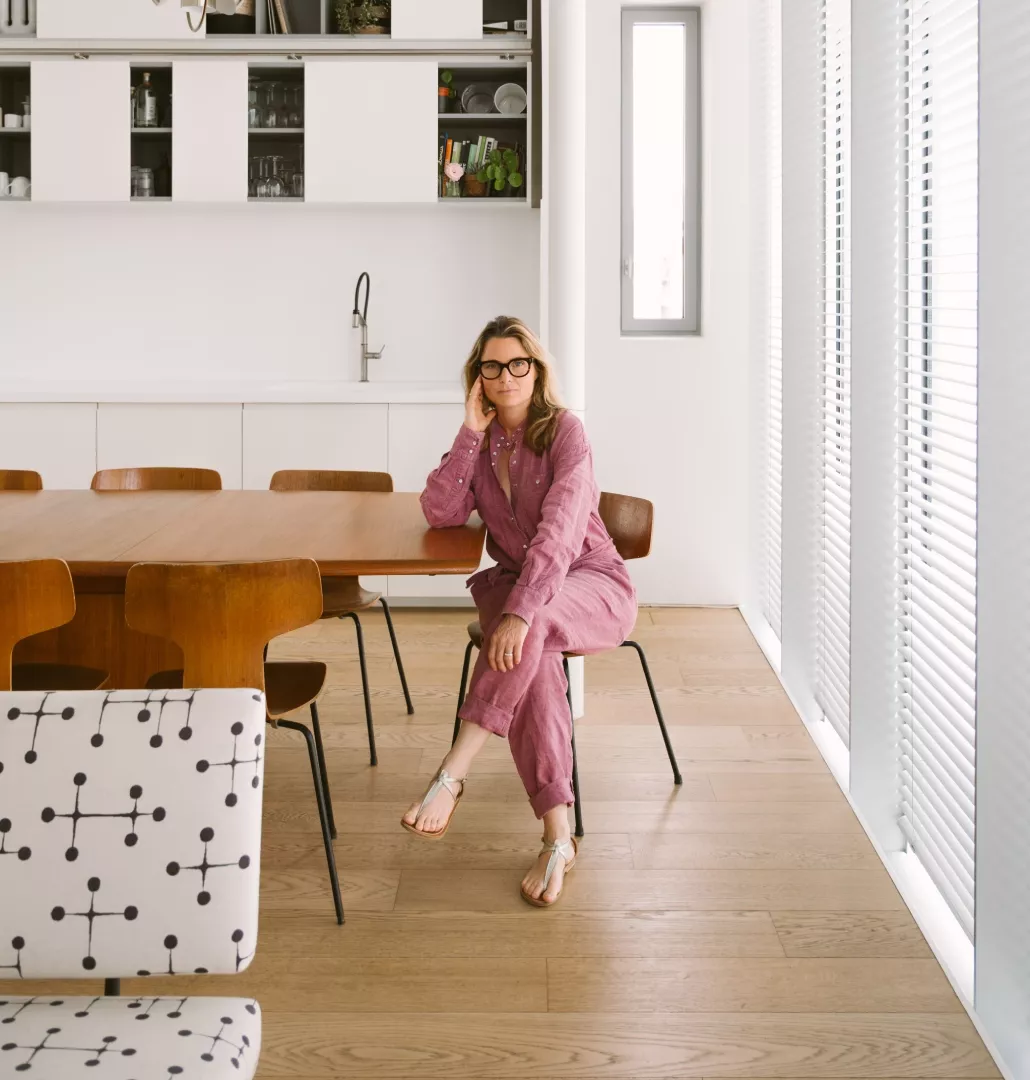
(567, 850)
(443, 781)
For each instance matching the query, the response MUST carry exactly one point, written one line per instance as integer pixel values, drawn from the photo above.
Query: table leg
(98, 637)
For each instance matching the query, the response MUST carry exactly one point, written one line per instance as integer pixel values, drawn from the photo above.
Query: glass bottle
(146, 103)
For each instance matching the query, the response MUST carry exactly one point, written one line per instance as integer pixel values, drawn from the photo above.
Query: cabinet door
(209, 131)
(419, 436)
(314, 436)
(80, 130)
(186, 436)
(370, 131)
(91, 20)
(436, 19)
(58, 440)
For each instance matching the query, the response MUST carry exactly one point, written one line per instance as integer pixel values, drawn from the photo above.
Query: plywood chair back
(35, 595)
(222, 615)
(330, 480)
(20, 480)
(629, 521)
(156, 479)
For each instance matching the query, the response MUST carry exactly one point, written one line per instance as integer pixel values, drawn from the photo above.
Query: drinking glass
(253, 108)
(296, 106)
(297, 185)
(276, 185)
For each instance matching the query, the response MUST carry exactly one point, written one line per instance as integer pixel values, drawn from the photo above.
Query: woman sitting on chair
(524, 463)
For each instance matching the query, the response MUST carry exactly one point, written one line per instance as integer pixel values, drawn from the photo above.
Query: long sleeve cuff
(524, 602)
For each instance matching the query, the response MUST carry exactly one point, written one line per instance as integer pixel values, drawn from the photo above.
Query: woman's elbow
(439, 518)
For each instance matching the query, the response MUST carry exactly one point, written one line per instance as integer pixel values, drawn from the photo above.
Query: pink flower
(454, 171)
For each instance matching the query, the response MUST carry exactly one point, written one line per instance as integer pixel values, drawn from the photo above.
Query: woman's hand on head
(476, 415)
(504, 649)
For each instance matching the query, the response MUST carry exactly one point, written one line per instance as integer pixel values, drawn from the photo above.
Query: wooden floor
(738, 926)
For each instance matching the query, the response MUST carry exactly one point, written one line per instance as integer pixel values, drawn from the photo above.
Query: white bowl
(510, 98)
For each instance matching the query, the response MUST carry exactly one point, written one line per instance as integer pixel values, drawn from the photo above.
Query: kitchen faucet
(360, 320)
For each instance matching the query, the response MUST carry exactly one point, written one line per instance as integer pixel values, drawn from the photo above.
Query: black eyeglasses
(519, 367)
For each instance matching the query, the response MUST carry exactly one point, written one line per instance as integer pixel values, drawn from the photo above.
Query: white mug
(12, 120)
(20, 187)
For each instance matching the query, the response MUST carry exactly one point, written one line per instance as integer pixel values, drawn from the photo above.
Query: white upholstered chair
(130, 836)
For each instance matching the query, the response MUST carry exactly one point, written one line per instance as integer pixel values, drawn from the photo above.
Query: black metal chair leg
(327, 794)
(330, 856)
(575, 759)
(657, 710)
(397, 654)
(461, 692)
(373, 759)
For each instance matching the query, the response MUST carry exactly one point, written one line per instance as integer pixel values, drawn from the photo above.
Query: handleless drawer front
(58, 440)
(180, 436)
(370, 131)
(436, 19)
(106, 20)
(80, 130)
(209, 131)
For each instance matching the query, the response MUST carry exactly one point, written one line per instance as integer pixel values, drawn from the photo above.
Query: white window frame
(690, 18)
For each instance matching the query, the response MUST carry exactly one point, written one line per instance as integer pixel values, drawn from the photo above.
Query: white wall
(668, 417)
(178, 292)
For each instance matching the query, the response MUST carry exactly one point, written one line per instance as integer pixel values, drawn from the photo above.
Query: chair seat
(68, 1037)
(340, 596)
(45, 676)
(289, 685)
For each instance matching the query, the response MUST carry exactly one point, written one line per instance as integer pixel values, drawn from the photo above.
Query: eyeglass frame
(506, 367)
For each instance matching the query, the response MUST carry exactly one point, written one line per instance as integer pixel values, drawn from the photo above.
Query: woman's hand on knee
(504, 649)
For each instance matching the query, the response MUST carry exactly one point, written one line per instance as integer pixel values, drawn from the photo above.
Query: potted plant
(501, 173)
(363, 16)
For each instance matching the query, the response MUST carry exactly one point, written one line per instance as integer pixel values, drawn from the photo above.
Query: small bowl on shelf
(510, 99)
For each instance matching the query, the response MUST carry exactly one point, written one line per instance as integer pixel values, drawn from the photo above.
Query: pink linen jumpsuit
(557, 569)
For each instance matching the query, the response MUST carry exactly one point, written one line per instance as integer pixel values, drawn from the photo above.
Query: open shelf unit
(15, 143)
(275, 133)
(467, 138)
(152, 145)
(318, 17)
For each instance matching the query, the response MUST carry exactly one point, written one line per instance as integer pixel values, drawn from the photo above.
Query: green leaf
(515, 179)
(447, 77)
(495, 156)
(510, 159)
(498, 185)
(483, 175)
(491, 172)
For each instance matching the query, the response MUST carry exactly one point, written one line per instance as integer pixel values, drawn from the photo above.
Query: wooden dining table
(101, 534)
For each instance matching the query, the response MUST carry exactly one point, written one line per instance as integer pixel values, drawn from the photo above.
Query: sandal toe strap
(443, 781)
(559, 849)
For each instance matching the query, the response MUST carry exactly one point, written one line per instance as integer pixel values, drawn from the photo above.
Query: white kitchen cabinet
(419, 436)
(209, 131)
(312, 437)
(338, 436)
(97, 20)
(57, 440)
(436, 19)
(370, 131)
(80, 130)
(182, 436)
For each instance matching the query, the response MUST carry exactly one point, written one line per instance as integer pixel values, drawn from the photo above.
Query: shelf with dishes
(483, 133)
(15, 134)
(275, 133)
(150, 121)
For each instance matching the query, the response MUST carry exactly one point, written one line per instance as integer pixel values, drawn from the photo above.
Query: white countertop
(240, 391)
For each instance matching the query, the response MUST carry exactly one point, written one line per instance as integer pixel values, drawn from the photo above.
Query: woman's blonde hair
(545, 408)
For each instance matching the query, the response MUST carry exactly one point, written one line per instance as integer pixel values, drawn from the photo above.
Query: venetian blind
(937, 426)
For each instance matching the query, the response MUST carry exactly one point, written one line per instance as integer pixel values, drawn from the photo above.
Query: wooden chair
(343, 598)
(222, 616)
(35, 596)
(156, 479)
(20, 480)
(629, 522)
